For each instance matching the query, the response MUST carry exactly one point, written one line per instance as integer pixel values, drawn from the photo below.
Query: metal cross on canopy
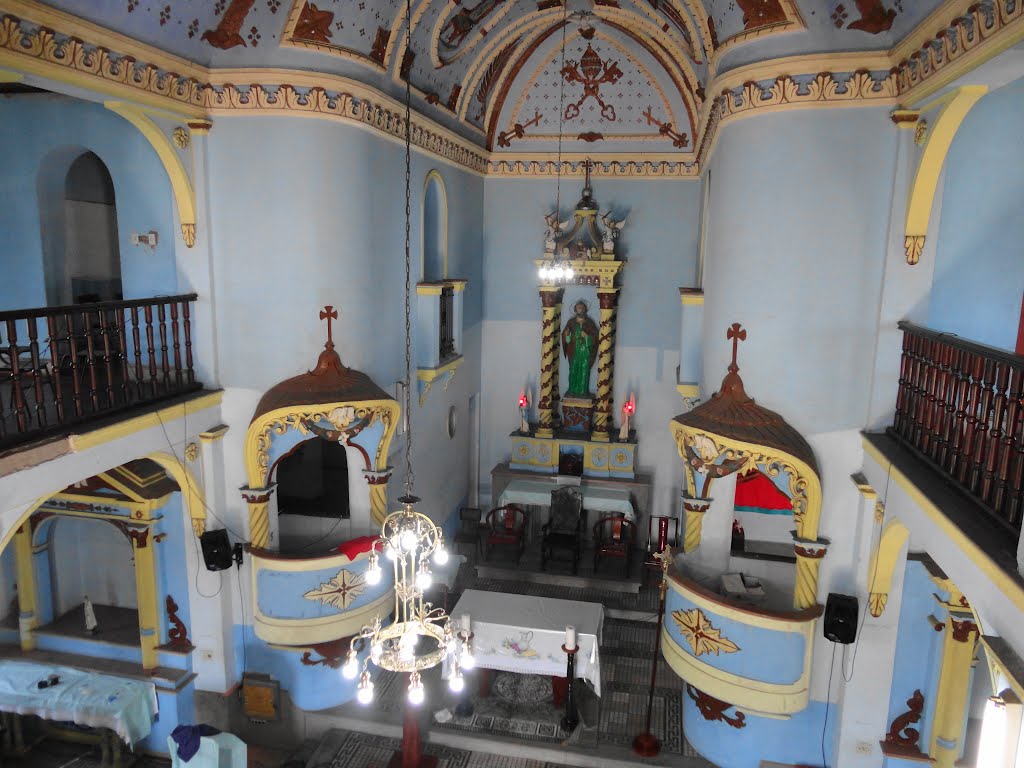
(329, 313)
(737, 334)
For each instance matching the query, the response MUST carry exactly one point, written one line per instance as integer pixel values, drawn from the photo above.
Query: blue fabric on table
(125, 706)
(187, 738)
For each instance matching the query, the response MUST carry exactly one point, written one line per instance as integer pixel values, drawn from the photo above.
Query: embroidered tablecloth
(127, 707)
(525, 634)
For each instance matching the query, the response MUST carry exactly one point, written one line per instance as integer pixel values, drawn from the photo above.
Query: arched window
(88, 267)
(435, 229)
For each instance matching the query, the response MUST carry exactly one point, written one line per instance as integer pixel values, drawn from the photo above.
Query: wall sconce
(1000, 731)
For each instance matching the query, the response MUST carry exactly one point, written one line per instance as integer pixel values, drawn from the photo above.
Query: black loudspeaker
(216, 550)
(840, 625)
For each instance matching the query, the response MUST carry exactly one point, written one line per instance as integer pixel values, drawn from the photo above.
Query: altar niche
(578, 421)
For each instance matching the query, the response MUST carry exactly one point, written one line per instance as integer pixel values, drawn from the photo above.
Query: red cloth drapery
(755, 492)
(354, 547)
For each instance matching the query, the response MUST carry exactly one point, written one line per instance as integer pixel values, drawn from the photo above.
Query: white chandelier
(421, 636)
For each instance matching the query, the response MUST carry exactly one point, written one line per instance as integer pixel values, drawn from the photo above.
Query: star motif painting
(702, 637)
(340, 591)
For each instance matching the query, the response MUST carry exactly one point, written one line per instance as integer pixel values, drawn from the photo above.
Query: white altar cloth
(595, 499)
(127, 707)
(525, 634)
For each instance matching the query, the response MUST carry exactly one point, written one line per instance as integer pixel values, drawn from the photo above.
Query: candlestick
(466, 624)
(570, 636)
(572, 717)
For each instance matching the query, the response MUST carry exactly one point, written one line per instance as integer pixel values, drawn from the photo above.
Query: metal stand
(646, 744)
(572, 717)
(411, 754)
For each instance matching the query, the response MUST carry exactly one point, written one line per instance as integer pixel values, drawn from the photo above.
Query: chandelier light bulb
(440, 554)
(351, 667)
(543, 272)
(423, 578)
(392, 548)
(376, 651)
(558, 272)
(364, 694)
(373, 572)
(416, 693)
(569, 273)
(456, 683)
(467, 661)
(408, 540)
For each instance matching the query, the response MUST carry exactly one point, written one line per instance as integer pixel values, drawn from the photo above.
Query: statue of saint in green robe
(579, 343)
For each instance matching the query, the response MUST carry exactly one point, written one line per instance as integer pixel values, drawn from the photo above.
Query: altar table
(525, 634)
(538, 493)
(126, 707)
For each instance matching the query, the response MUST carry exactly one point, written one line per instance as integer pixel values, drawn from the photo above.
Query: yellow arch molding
(883, 563)
(191, 492)
(434, 175)
(184, 195)
(954, 108)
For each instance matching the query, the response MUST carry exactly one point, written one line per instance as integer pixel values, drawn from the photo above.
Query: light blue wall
(796, 741)
(799, 209)
(660, 242)
(979, 261)
(40, 136)
(918, 648)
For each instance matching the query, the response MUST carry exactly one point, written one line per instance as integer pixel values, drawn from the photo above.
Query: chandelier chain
(561, 115)
(408, 267)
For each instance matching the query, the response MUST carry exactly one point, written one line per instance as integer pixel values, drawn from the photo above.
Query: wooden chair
(614, 536)
(662, 531)
(470, 520)
(506, 526)
(564, 529)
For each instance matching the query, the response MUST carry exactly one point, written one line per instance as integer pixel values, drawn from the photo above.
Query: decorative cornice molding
(625, 165)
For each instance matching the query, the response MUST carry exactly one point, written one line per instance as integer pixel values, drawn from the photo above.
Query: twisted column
(551, 309)
(259, 518)
(605, 362)
(694, 510)
(808, 560)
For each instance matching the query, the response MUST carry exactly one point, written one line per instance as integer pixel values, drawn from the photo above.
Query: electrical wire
(828, 695)
(241, 605)
(408, 264)
(561, 108)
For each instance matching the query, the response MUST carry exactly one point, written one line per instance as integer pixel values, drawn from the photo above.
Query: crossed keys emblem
(592, 73)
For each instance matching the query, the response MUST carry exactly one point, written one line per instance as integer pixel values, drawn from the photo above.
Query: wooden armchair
(469, 529)
(506, 526)
(614, 536)
(564, 529)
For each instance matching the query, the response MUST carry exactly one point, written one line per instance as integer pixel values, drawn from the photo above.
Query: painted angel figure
(612, 229)
(551, 231)
(579, 343)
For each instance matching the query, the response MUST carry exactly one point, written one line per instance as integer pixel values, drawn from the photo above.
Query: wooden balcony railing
(960, 406)
(61, 366)
(446, 349)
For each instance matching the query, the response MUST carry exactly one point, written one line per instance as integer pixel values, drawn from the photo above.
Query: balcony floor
(963, 511)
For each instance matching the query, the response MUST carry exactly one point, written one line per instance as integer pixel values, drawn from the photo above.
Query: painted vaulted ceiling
(632, 76)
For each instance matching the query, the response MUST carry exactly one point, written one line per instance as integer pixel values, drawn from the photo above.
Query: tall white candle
(466, 622)
(570, 637)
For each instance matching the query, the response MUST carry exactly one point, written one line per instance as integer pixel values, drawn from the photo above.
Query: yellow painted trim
(738, 614)
(8, 76)
(954, 109)
(691, 299)
(1001, 667)
(148, 602)
(192, 494)
(216, 433)
(128, 427)
(688, 390)
(433, 374)
(184, 195)
(324, 629)
(28, 605)
(883, 565)
(458, 286)
(905, 119)
(304, 564)
(1003, 582)
(257, 437)
(433, 175)
(131, 506)
(97, 515)
(429, 289)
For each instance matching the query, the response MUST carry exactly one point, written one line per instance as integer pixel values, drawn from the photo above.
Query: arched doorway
(435, 229)
(88, 267)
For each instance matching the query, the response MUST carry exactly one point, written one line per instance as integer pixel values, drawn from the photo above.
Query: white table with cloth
(525, 634)
(124, 706)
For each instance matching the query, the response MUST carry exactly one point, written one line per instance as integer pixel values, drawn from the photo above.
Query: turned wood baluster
(165, 367)
(940, 420)
(108, 358)
(997, 428)
(122, 344)
(931, 409)
(55, 360)
(957, 402)
(76, 384)
(925, 377)
(176, 344)
(1015, 433)
(90, 352)
(150, 349)
(901, 421)
(137, 350)
(20, 410)
(981, 441)
(952, 367)
(187, 328)
(916, 370)
(1008, 438)
(975, 367)
(37, 372)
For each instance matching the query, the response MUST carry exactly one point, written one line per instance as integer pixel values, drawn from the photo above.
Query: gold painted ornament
(181, 137)
(191, 452)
